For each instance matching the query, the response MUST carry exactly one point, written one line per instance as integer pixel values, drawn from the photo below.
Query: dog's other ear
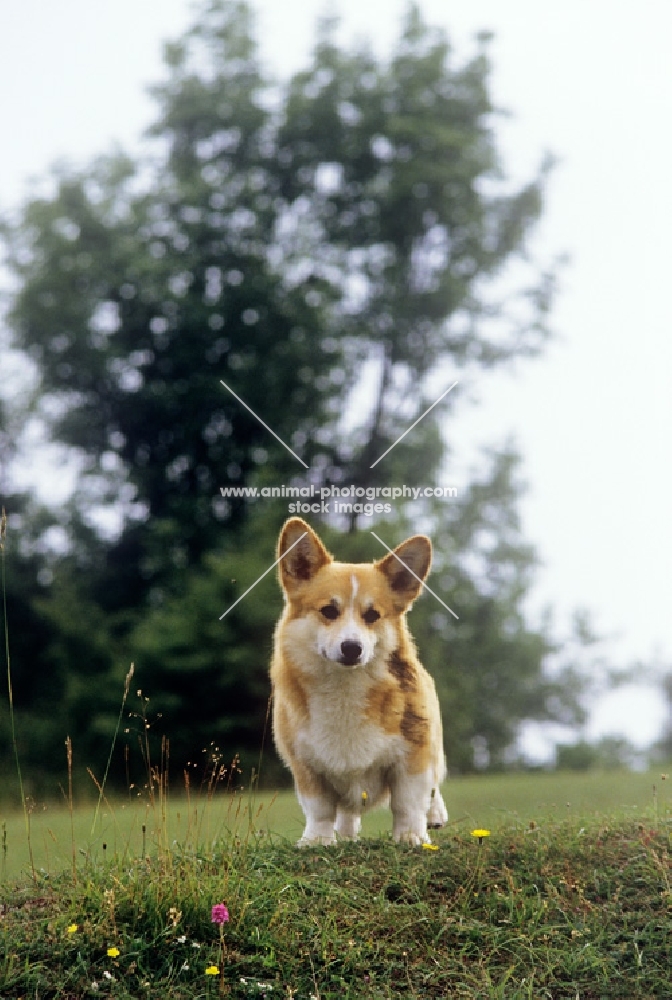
(405, 581)
(307, 555)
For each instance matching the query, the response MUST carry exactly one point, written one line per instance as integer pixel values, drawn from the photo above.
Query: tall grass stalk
(10, 693)
(3, 867)
(101, 785)
(68, 750)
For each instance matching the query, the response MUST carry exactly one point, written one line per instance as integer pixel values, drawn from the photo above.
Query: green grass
(513, 799)
(569, 897)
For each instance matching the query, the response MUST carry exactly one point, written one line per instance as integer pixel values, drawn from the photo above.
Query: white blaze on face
(348, 628)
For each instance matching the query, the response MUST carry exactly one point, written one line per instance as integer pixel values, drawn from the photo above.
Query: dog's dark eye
(371, 616)
(330, 611)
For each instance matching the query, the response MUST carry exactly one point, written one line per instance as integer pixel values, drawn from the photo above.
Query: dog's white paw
(348, 826)
(411, 837)
(316, 841)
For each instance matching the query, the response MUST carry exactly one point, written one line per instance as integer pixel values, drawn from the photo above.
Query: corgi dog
(355, 715)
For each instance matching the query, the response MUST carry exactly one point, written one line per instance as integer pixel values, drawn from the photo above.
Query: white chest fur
(338, 738)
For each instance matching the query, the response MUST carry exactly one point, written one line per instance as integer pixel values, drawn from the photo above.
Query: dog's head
(346, 609)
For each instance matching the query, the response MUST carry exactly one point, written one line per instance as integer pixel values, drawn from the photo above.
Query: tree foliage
(277, 237)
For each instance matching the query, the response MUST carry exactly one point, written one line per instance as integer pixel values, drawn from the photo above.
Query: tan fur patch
(402, 671)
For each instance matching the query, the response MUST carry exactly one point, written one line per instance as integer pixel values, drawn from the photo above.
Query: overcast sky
(588, 80)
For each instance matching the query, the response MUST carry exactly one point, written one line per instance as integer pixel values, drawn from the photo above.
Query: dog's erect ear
(416, 554)
(305, 558)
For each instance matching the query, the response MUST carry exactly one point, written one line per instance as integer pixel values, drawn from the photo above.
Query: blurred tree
(662, 750)
(488, 665)
(133, 306)
(610, 753)
(273, 249)
(395, 168)
(278, 238)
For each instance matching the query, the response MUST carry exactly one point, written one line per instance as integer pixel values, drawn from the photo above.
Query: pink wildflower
(220, 914)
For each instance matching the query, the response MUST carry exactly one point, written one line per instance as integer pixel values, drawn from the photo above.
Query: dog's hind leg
(438, 814)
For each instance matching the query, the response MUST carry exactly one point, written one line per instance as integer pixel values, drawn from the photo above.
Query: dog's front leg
(318, 801)
(348, 824)
(320, 813)
(410, 801)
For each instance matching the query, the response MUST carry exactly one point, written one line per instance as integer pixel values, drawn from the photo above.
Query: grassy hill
(568, 897)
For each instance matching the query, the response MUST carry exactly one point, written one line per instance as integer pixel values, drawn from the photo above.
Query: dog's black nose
(350, 653)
